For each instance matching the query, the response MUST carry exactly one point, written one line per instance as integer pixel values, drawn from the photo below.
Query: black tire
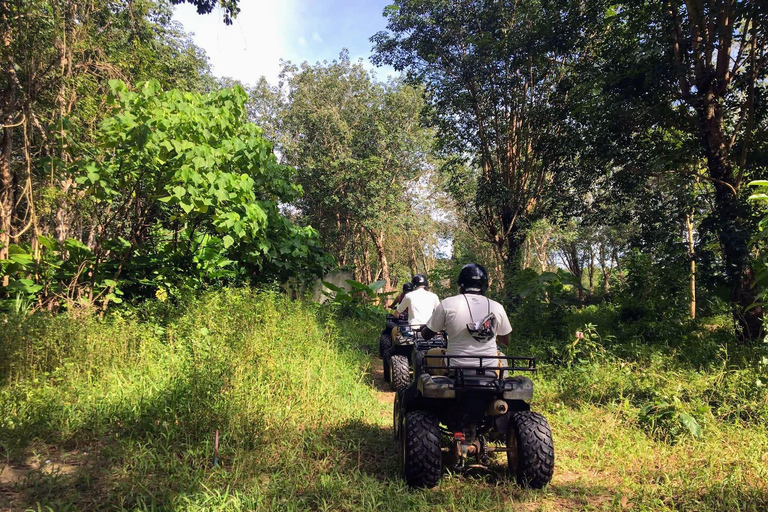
(422, 458)
(401, 373)
(386, 365)
(385, 345)
(532, 460)
(397, 418)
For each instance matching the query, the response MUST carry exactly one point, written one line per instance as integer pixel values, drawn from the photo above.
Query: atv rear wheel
(401, 373)
(422, 458)
(385, 344)
(531, 455)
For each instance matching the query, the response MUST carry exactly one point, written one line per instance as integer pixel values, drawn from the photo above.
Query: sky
(266, 31)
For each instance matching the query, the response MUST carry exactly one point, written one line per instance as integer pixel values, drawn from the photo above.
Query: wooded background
(595, 148)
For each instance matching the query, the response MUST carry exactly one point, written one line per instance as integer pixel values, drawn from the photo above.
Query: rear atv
(471, 412)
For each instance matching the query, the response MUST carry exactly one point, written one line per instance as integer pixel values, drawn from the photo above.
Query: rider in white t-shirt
(420, 303)
(466, 319)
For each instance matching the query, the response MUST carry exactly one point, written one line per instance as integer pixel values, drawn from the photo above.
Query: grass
(125, 410)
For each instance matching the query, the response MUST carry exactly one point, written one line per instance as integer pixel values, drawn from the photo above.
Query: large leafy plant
(183, 191)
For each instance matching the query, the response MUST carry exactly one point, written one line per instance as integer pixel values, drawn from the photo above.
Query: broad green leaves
(183, 191)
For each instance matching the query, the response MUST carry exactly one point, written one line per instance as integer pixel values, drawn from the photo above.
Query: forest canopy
(566, 146)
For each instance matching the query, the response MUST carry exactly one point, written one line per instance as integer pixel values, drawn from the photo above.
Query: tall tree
(497, 76)
(359, 146)
(56, 58)
(705, 63)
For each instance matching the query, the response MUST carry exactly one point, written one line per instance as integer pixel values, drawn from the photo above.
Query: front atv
(471, 412)
(385, 338)
(406, 342)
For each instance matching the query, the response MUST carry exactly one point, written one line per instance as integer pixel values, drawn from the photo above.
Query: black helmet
(473, 279)
(407, 288)
(419, 280)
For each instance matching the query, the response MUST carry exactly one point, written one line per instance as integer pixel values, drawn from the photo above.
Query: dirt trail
(384, 393)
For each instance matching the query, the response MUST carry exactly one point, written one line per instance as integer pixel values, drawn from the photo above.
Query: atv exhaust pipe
(497, 408)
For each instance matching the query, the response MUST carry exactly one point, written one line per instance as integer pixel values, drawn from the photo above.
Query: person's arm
(435, 324)
(397, 301)
(504, 330)
(403, 305)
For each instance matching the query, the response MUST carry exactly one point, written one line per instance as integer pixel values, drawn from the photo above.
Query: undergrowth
(120, 414)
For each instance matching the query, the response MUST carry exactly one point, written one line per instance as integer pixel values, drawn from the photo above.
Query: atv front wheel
(397, 417)
(531, 455)
(422, 458)
(401, 374)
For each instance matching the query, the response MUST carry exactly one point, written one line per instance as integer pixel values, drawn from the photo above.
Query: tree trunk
(378, 242)
(733, 234)
(6, 194)
(6, 147)
(691, 255)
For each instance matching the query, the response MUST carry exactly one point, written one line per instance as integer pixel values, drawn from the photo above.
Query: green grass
(125, 410)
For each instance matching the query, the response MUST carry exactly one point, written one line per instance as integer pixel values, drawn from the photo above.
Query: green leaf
(21, 259)
(228, 241)
(690, 423)
(333, 287)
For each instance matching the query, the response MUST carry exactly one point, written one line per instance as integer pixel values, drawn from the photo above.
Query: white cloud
(252, 46)
(266, 32)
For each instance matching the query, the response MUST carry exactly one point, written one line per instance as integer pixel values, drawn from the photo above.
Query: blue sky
(295, 30)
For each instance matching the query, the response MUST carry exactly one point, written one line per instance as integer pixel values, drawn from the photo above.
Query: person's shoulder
(448, 301)
(497, 305)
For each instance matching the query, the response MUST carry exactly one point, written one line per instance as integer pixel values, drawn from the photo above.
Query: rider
(472, 322)
(407, 288)
(420, 303)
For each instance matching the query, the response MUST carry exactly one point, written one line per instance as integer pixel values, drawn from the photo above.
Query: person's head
(473, 279)
(419, 281)
(407, 287)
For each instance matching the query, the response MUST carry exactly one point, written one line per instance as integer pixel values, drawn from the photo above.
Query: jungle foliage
(644, 120)
(115, 189)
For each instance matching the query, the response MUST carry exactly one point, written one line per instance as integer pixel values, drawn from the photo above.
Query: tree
(182, 191)
(359, 146)
(497, 76)
(231, 7)
(56, 58)
(699, 68)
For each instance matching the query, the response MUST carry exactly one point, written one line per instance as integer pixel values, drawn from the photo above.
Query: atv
(471, 412)
(407, 341)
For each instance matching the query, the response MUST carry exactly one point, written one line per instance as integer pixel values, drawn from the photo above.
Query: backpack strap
(469, 308)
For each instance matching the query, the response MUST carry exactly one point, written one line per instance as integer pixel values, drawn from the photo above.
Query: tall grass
(270, 374)
(125, 409)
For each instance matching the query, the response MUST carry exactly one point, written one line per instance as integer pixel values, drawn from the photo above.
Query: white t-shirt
(453, 315)
(420, 304)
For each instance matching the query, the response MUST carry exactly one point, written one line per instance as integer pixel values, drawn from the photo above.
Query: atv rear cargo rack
(481, 378)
